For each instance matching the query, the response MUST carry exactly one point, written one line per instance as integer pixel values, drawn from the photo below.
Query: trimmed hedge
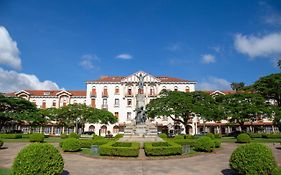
(204, 144)
(118, 136)
(254, 159)
(38, 158)
(36, 137)
(189, 142)
(63, 136)
(10, 136)
(1, 143)
(217, 143)
(70, 145)
(96, 137)
(163, 135)
(86, 143)
(74, 135)
(211, 135)
(122, 149)
(218, 136)
(162, 148)
(243, 138)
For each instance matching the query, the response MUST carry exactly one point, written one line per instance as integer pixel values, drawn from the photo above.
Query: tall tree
(269, 87)
(241, 108)
(237, 86)
(180, 106)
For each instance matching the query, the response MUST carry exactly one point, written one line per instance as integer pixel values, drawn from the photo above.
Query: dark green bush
(100, 141)
(180, 136)
(272, 135)
(211, 135)
(38, 158)
(36, 137)
(217, 143)
(126, 149)
(255, 135)
(70, 145)
(74, 135)
(118, 136)
(243, 138)
(10, 136)
(204, 144)
(86, 143)
(1, 143)
(63, 136)
(162, 148)
(189, 142)
(253, 159)
(163, 135)
(218, 136)
(26, 136)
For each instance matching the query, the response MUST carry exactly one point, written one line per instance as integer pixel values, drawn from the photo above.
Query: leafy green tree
(269, 87)
(240, 108)
(277, 117)
(180, 106)
(237, 86)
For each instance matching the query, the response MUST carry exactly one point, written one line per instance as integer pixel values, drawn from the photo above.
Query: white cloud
(124, 56)
(9, 53)
(264, 46)
(213, 83)
(174, 47)
(89, 62)
(208, 58)
(14, 81)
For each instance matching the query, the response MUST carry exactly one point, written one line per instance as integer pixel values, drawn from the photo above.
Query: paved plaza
(76, 164)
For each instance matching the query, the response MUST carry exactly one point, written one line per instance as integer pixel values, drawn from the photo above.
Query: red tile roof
(119, 78)
(51, 92)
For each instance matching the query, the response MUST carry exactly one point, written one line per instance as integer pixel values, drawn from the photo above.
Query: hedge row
(189, 142)
(10, 136)
(162, 148)
(265, 135)
(36, 137)
(123, 149)
(70, 145)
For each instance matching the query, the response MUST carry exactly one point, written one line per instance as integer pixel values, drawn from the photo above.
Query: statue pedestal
(140, 130)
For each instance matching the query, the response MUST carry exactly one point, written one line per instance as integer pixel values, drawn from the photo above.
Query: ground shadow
(4, 147)
(65, 172)
(228, 172)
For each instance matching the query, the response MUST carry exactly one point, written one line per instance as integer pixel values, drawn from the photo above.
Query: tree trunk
(186, 129)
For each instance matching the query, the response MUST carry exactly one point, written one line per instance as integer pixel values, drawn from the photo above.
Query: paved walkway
(203, 164)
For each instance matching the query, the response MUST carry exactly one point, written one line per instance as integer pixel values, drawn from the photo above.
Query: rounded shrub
(36, 137)
(1, 143)
(70, 145)
(254, 159)
(218, 136)
(243, 138)
(63, 136)
(211, 135)
(204, 144)
(74, 135)
(217, 143)
(38, 158)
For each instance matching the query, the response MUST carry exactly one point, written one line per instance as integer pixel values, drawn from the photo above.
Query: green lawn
(255, 140)
(4, 171)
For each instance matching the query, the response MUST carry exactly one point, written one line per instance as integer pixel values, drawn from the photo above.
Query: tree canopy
(237, 86)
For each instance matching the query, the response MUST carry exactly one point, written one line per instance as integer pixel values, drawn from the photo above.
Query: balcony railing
(104, 106)
(104, 94)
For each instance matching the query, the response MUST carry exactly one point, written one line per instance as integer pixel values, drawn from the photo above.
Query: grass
(254, 140)
(49, 140)
(4, 171)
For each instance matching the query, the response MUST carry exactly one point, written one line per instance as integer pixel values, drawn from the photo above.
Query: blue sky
(60, 44)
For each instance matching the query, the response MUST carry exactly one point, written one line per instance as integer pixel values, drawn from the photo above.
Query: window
(129, 91)
(64, 103)
(176, 88)
(74, 102)
(116, 102)
(46, 93)
(104, 101)
(116, 90)
(105, 93)
(129, 102)
(94, 92)
(164, 88)
(44, 104)
(54, 103)
(93, 103)
(129, 114)
(116, 114)
(151, 91)
(187, 89)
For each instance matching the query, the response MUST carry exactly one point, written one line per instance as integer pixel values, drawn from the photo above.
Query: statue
(140, 116)
(141, 80)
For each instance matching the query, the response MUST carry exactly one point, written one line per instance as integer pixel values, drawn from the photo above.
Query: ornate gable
(134, 78)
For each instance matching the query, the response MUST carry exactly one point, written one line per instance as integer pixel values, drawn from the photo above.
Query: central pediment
(134, 78)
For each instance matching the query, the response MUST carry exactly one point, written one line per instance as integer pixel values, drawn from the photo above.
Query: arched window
(54, 103)
(94, 92)
(116, 90)
(103, 129)
(115, 129)
(175, 88)
(92, 128)
(43, 104)
(105, 93)
(187, 89)
(130, 91)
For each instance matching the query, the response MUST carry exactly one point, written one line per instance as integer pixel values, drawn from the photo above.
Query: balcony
(93, 94)
(104, 94)
(104, 106)
(129, 95)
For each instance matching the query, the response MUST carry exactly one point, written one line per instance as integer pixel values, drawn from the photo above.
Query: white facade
(118, 95)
